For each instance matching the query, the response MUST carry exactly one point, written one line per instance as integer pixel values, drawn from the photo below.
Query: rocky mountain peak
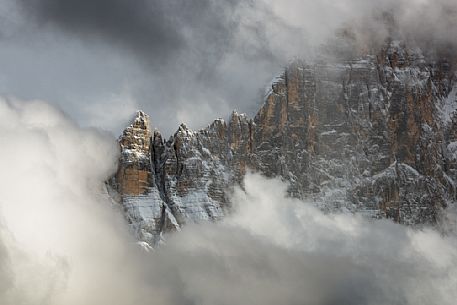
(365, 135)
(135, 144)
(183, 129)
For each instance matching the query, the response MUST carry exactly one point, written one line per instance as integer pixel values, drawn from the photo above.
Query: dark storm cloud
(133, 24)
(154, 30)
(190, 60)
(181, 61)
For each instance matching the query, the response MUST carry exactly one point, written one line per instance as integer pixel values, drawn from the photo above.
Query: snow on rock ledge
(375, 135)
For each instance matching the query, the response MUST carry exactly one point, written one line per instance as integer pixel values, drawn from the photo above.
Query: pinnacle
(140, 113)
(141, 120)
(183, 126)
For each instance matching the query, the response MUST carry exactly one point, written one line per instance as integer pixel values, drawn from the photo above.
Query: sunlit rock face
(134, 173)
(375, 135)
(143, 202)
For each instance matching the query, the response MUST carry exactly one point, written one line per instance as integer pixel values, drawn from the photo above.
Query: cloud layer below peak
(64, 242)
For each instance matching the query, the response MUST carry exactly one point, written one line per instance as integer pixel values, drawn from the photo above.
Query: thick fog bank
(63, 242)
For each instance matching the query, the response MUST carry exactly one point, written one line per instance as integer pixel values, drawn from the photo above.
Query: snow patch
(449, 106)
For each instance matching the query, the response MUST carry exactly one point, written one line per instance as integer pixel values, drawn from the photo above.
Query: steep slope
(364, 135)
(142, 199)
(375, 135)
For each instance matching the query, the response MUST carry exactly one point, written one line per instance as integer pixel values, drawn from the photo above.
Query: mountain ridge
(375, 135)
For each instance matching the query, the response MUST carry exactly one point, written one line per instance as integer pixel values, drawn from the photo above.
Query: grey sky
(100, 60)
(182, 60)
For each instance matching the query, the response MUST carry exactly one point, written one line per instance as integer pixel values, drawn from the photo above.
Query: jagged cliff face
(366, 135)
(376, 135)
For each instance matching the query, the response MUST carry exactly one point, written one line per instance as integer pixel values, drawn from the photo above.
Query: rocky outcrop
(134, 174)
(375, 135)
(366, 135)
(136, 181)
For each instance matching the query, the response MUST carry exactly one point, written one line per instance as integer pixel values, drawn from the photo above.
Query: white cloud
(62, 242)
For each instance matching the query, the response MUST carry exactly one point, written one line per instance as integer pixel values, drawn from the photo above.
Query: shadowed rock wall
(375, 135)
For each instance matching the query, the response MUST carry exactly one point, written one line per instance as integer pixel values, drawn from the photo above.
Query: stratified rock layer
(142, 199)
(376, 135)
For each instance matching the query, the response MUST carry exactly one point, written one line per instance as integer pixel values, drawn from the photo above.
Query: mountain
(375, 135)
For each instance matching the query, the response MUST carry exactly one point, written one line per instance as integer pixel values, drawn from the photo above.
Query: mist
(64, 242)
(191, 61)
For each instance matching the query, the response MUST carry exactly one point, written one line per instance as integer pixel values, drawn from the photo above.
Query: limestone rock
(142, 200)
(375, 135)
